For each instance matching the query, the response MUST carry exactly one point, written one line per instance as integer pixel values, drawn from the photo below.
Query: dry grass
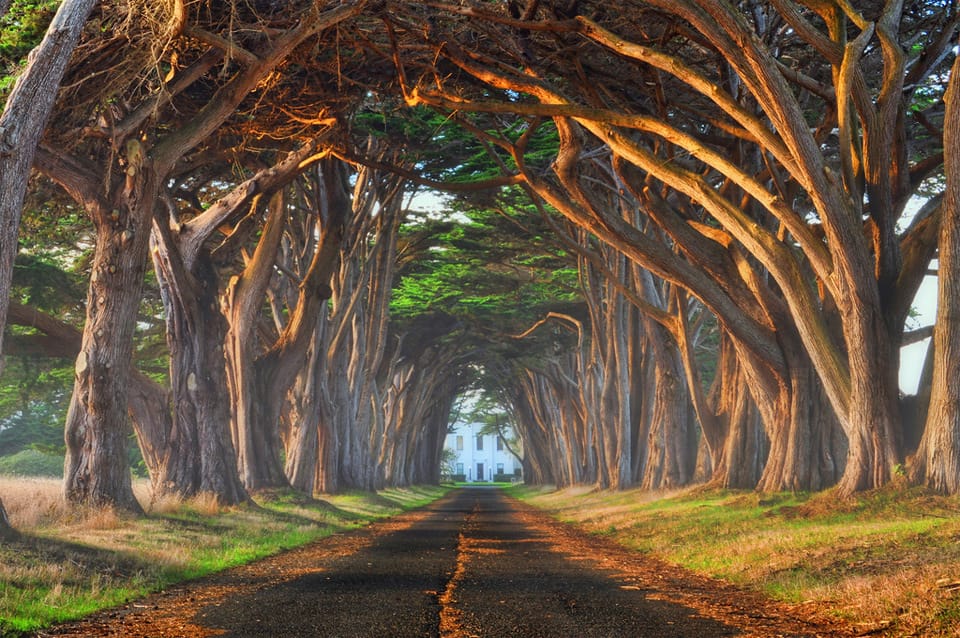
(30, 502)
(888, 562)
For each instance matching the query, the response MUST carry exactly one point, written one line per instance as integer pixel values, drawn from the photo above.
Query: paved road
(474, 563)
(470, 568)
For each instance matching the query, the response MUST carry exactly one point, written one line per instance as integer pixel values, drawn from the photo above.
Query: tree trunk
(96, 468)
(741, 443)
(255, 436)
(199, 457)
(800, 437)
(148, 401)
(937, 462)
(672, 446)
(22, 123)
(537, 470)
(302, 439)
(149, 408)
(351, 405)
(872, 430)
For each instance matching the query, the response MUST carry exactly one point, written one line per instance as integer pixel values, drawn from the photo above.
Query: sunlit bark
(937, 462)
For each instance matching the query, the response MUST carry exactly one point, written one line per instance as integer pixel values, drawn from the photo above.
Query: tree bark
(671, 444)
(259, 381)
(740, 442)
(356, 369)
(96, 469)
(22, 123)
(937, 461)
(255, 434)
(199, 456)
(96, 419)
(302, 431)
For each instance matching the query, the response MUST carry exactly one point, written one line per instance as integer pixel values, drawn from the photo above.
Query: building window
(460, 468)
(479, 441)
(499, 444)
(459, 441)
(499, 468)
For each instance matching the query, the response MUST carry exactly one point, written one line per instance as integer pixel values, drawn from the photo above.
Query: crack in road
(450, 615)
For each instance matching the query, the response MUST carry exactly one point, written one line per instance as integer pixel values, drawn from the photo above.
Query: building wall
(464, 442)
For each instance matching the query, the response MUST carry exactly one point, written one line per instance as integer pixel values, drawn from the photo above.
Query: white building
(480, 457)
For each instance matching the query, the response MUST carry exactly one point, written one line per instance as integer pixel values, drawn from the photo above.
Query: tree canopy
(676, 241)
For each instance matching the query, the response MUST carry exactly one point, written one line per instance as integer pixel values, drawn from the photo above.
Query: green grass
(69, 564)
(875, 560)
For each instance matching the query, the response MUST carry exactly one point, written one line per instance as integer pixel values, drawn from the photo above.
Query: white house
(480, 457)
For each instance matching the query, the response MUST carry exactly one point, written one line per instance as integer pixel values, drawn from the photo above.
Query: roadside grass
(886, 561)
(67, 563)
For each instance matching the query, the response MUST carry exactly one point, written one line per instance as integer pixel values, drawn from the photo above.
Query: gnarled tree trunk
(199, 456)
(96, 469)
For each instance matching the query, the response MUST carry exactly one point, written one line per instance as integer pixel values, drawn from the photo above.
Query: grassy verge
(69, 563)
(886, 561)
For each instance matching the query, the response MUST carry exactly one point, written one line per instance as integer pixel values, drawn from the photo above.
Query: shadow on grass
(84, 561)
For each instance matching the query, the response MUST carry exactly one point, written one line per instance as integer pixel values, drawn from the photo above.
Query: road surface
(474, 563)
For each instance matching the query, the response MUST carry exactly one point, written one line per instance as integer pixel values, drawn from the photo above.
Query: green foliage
(39, 281)
(34, 395)
(482, 270)
(21, 29)
(488, 411)
(444, 150)
(23, 26)
(32, 462)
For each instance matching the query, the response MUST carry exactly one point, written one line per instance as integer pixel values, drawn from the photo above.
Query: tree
(148, 401)
(817, 219)
(152, 136)
(22, 123)
(340, 443)
(937, 462)
(258, 381)
(201, 456)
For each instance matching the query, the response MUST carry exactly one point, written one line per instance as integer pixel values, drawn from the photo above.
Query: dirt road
(475, 563)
